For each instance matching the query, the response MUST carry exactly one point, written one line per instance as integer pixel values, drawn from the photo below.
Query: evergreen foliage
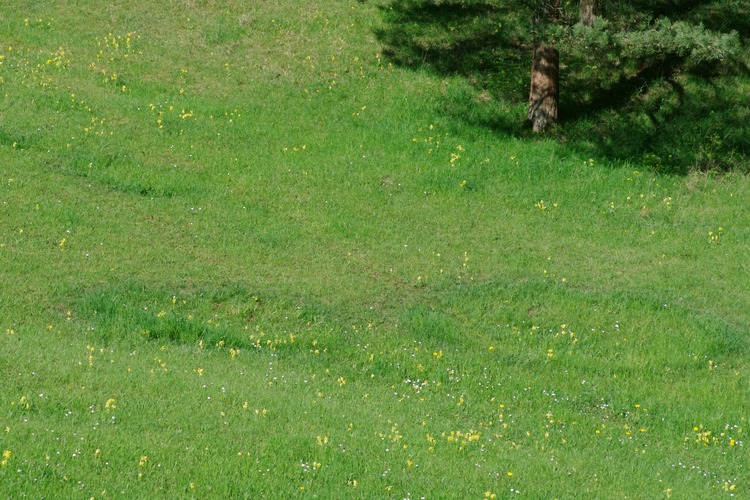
(656, 82)
(662, 38)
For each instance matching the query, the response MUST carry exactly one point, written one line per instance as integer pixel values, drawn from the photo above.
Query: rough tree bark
(586, 12)
(545, 70)
(543, 97)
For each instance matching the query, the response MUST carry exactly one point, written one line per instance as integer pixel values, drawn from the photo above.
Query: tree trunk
(543, 97)
(586, 12)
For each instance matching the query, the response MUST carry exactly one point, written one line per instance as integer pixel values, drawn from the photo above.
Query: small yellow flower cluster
(23, 403)
(565, 331)
(433, 141)
(38, 22)
(462, 438)
(119, 41)
(90, 349)
(714, 236)
(75, 103)
(454, 158)
(543, 207)
(41, 74)
(161, 364)
(706, 437)
(432, 442)
(259, 341)
(97, 127)
(142, 462)
(394, 436)
(258, 413)
(356, 113)
(57, 59)
(111, 48)
(163, 111)
(6, 456)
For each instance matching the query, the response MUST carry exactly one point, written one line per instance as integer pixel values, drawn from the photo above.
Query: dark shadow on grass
(478, 41)
(717, 15)
(660, 115)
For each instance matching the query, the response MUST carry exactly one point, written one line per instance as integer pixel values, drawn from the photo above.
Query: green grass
(277, 265)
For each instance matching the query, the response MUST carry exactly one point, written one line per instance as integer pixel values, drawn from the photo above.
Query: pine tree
(589, 54)
(631, 38)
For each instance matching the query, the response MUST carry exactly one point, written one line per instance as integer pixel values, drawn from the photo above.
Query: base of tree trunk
(543, 96)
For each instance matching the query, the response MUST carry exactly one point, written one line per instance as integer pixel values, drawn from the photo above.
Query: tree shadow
(674, 127)
(717, 15)
(477, 41)
(659, 115)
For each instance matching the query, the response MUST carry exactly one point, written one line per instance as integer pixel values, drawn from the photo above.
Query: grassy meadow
(244, 254)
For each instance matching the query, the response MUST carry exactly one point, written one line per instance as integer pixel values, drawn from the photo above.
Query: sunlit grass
(243, 255)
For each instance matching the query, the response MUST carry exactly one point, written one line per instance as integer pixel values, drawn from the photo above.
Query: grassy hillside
(245, 255)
